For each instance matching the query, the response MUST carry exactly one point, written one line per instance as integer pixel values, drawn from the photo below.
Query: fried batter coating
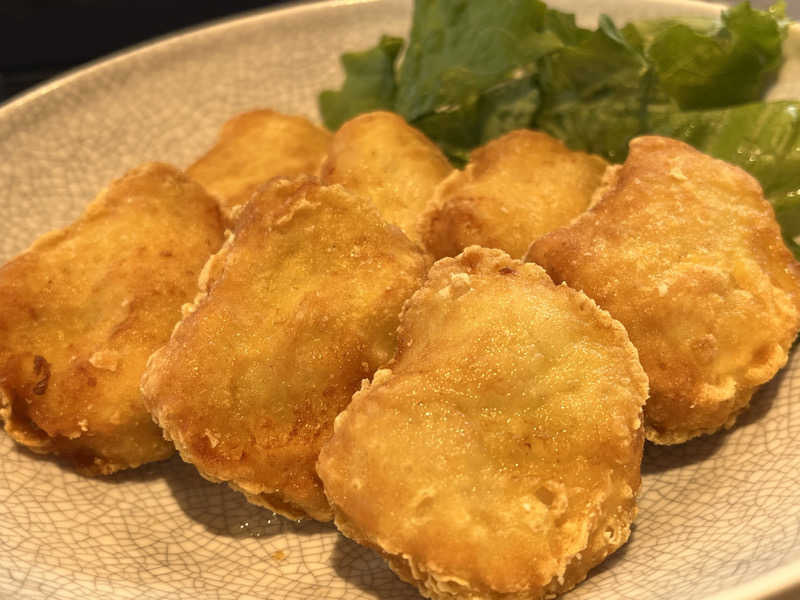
(300, 304)
(253, 148)
(83, 309)
(498, 454)
(380, 156)
(686, 253)
(513, 190)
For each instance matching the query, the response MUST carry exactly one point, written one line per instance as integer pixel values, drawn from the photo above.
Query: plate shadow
(658, 459)
(366, 570)
(224, 511)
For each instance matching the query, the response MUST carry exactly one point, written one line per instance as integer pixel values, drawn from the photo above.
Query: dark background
(42, 38)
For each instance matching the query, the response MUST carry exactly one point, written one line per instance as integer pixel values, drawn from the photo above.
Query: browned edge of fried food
(87, 451)
(293, 199)
(308, 145)
(431, 580)
(397, 170)
(240, 215)
(564, 251)
(465, 210)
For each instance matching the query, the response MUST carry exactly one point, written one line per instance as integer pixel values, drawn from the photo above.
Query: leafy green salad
(472, 71)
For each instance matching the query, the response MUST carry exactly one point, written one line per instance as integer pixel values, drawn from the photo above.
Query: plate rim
(773, 584)
(159, 42)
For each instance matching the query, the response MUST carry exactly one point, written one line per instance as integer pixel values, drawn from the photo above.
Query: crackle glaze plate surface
(719, 516)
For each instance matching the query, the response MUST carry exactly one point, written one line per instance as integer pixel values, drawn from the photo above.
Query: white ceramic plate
(720, 515)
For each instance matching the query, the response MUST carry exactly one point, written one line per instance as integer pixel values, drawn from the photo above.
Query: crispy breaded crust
(513, 190)
(498, 454)
(379, 156)
(300, 304)
(83, 308)
(685, 251)
(254, 147)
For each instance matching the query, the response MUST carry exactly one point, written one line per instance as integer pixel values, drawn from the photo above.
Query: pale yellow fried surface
(379, 156)
(300, 304)
(83, 309)
(686, 253)
(513, 190)
(256, 146)
(498, 454)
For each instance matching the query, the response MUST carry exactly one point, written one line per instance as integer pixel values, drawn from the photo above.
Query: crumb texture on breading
(381, 157)
(83, 308)
(299, 306)
(254, 147)
(685, 251)
(498, 454)
(513, 190)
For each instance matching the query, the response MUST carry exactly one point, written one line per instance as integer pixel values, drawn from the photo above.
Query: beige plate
(718, 515)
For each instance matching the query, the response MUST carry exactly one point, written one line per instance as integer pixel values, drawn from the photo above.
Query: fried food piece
(498, 455)
(253, 148)
(379, 156)
(300, 304)
(686, 253)
(83, 309)
(513, 190)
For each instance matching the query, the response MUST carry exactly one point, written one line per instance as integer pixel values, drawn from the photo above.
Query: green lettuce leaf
(595, 92)
(469, 74)
(475, 70)
(458, 49)
(457, 130)
(369, 84)
(729, 64)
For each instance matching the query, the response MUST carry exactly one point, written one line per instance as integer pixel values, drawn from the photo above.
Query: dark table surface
(42, 38)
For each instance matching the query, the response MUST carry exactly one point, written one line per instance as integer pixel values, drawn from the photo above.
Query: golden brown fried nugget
(83, 309)
(513, 190)
(300, 304)
(686, 253)
(253, 148)
(379, 156)
(498, 454)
